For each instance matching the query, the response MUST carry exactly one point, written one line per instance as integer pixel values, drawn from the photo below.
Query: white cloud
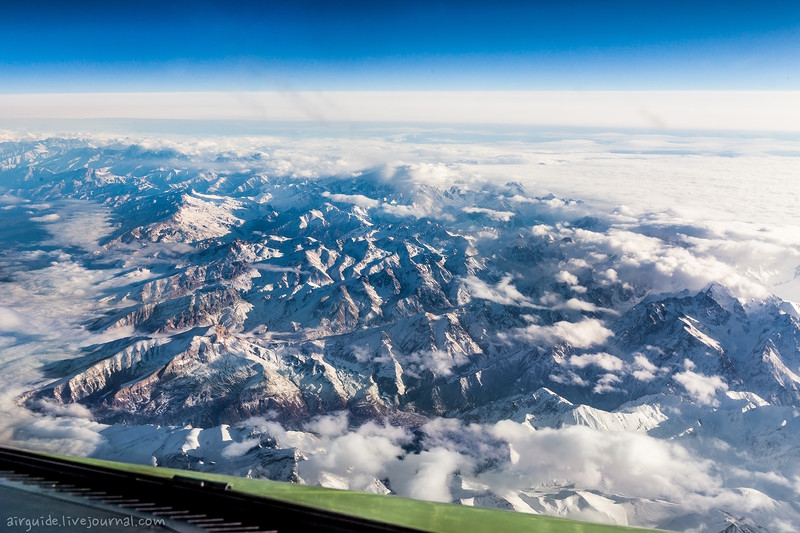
(8, 201)
(502, 216)
(65, 435)
(644, 261)
(79, 223)
(569, 378)
(504, 293)
(440, 362)
(9, 320)
(575, 304)
(609, 275)
(670, 479)
(72, 410)
(67, 430)
(643, 369)
(583, 334)
(399, 210)
(606, 383)
(566, 277)
(700, 387)
(604, 360)
(541, 230)
(52, 217)
(616, 462)
(329, 425)
(372, 451)
(356, 199)
(428, 475)
(358, 456)
(436, 174)
(362, 353)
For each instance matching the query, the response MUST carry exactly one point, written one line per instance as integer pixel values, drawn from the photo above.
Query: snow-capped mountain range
(248, 311)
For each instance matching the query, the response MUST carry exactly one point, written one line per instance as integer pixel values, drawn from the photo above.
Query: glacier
(315, 312)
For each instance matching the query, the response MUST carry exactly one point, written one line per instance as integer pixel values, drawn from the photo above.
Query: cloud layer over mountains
(575, 325)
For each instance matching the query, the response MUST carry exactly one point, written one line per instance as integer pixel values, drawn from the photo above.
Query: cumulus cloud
(362, 353)
(330, 425)
(72, 410)
(355, 457)
(606, 383)
(439, 362)
(603, 360)
(428, 475)
(68, 430)
(501, 216)
(504, 292)
(359, 456)
(567, 277)
(568, 378)
(572, 280)
(616, 368)
(648, 262)
(10, 202)
(401, 210)
(643, 369)
(524, 461)
(615, 462)
(607, 276)
(62, 435)
(9, 320)
(440, 174)
(703, 389)
(52, 217)
(356, 199)
(574, 304)
(552, 300)
(588, 332)
(542, 230)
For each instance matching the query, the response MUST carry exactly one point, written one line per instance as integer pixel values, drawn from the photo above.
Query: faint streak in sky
(674, 110)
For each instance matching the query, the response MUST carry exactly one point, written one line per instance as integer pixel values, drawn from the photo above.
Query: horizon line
(761, 110)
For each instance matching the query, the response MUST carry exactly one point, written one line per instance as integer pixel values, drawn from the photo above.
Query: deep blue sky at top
(351, 45)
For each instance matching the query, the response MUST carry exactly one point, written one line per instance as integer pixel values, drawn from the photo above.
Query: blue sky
(305, 45)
